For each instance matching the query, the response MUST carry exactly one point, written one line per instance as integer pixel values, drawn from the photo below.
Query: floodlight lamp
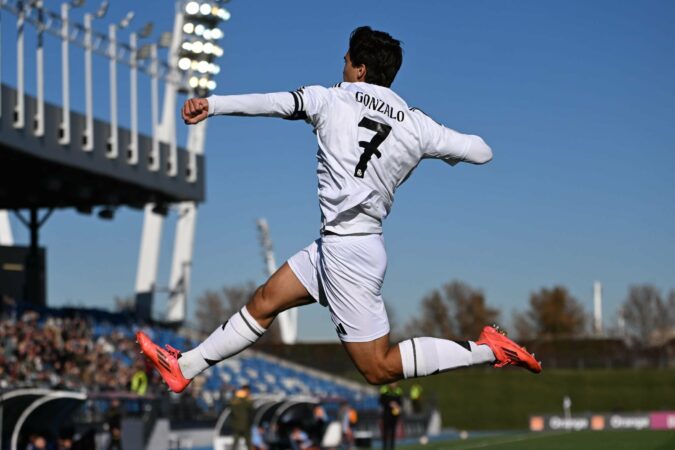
(203, 66)
(205, 9)
(217, 33)
(215, 69)
(144, 52)
(218, 51)
(127, 19)
(192, 8)
(194, 64)
(189, 27)
(165, 39)
(187, 46)
(146, 30)
(199, 29)
(184, 63)
(203, 82)
(207, 35)
(197, 47)
(211, 85)
(224, 14)
(102, 9)
(194, 82)
(208, 48)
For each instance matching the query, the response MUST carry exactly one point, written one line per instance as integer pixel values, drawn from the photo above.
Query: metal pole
(39, 125)
(19, 117)
(154, 99)
(88, 138)
(64, 137)
(132, 155)
(1, 1)
(148, 258)
(6, 237)
(112, 48)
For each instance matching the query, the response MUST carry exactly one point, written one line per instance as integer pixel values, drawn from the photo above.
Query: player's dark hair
(379, 52)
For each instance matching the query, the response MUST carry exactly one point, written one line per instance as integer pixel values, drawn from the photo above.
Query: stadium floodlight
(224, 14)
(184, 63)
(192, 8)
(102, 9)
(127, 19)
(146, 30)
(165, 39)
(199, 47)
(205, 9)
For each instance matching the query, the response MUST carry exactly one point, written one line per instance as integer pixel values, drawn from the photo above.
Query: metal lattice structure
(54, 157)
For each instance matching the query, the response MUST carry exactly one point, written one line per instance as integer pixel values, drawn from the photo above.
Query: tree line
(458, 310)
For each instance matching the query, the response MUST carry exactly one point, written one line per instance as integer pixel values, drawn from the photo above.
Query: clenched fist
(195, 110)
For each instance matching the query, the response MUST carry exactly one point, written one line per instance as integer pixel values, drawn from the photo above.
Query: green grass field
(582, 440)
(504, 399)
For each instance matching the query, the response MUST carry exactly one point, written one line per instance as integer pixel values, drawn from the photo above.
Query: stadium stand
(80, 352)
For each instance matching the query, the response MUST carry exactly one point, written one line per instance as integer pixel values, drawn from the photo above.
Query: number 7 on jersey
(370, 148)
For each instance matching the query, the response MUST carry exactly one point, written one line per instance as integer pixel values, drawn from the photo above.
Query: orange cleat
(506, 351)
(165, 361)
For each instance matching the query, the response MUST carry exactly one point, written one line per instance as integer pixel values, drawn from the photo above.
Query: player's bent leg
(281, 291)
(380, 363)
(377, 360)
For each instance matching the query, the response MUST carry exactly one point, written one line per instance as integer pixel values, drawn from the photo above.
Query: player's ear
(361, 72)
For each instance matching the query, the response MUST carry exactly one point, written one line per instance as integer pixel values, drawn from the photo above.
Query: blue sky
(577, 100)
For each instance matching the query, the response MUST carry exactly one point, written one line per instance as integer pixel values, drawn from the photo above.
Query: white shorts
(346, 274)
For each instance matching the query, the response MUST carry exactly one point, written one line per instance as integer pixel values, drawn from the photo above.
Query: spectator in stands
(391, 397)
(139, 382)
(346, 416)
(300, 440)
(320, 423)
(416, 398)
(36, 442)
(258, 438)
(114, 422)
(242, 416)
(62, 352)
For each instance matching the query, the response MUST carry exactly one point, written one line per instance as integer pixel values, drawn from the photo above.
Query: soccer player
(369, 143)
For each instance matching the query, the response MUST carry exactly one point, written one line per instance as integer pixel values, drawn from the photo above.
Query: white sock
(427, 356)
(234, 336)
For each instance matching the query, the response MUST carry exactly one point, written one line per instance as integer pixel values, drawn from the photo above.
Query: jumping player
(369, 143)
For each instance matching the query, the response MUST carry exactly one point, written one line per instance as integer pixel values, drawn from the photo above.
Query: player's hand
(195, 110)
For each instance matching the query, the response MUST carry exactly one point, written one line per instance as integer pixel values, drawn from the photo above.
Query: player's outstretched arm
(195, 110)
(452, 146)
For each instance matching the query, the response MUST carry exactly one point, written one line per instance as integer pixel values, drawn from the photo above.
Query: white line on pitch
(526, 437)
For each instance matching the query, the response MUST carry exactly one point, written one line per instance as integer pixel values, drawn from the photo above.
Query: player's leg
(381, 363)
(351, 279)
(282, 291)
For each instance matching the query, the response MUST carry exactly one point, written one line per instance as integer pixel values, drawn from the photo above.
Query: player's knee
(263, 303)
(379, 372)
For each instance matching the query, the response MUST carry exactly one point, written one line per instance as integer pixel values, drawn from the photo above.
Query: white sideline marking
(526, 437)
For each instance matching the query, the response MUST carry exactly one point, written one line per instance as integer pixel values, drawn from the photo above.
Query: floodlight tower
(288, 320)
(193, 50)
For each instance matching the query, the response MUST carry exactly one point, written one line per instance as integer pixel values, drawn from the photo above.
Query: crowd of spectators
(63, 353)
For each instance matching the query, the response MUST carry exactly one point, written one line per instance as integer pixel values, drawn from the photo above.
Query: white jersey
(369, 143)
